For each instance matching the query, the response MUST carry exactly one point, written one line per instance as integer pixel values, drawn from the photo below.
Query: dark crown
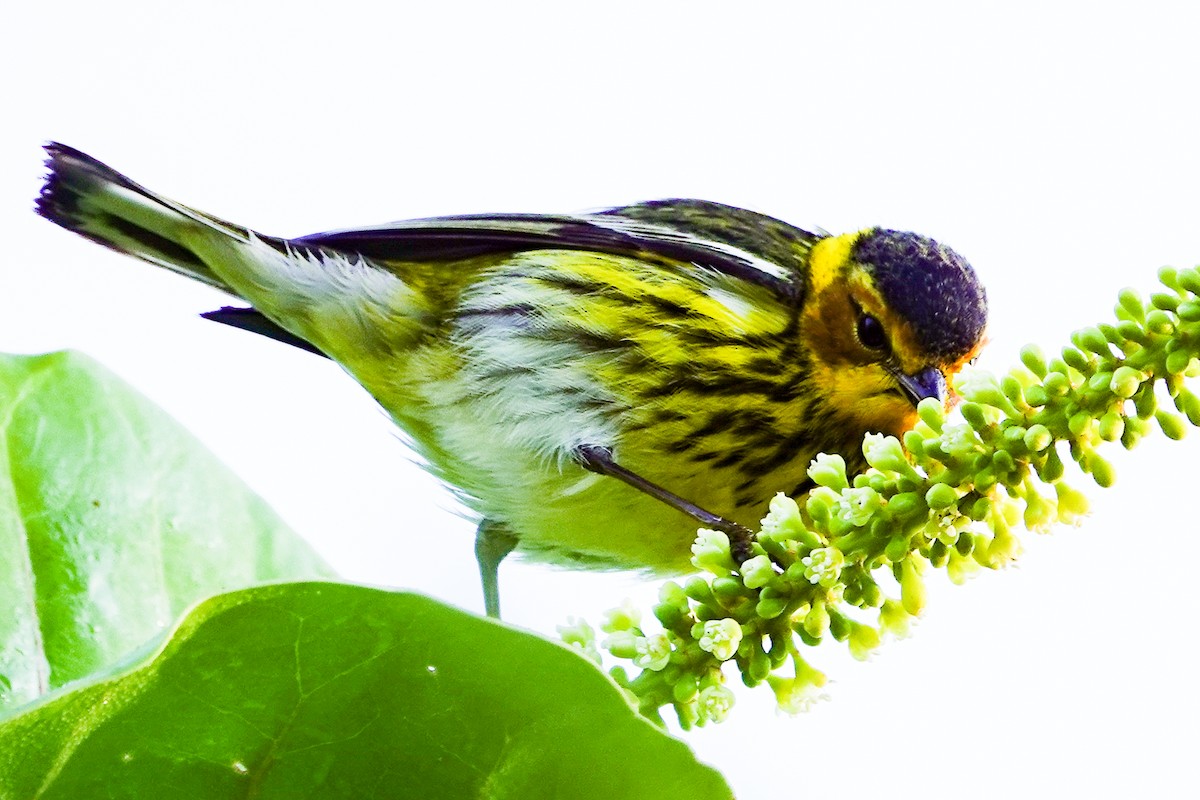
(930, 285)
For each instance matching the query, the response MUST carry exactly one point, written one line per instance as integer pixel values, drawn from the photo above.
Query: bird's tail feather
(90, 198)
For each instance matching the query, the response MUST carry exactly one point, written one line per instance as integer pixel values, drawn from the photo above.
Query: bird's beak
(926, 383)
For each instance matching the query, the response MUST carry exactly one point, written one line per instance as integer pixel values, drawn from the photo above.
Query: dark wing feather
(682, 230)
(250, 319)
(765, 237)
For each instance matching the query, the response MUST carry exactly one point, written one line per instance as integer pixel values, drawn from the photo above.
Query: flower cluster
(949, 496)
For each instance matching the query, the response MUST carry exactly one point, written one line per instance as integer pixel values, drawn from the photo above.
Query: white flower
(823, 566)
(721, 637)
(653, 652)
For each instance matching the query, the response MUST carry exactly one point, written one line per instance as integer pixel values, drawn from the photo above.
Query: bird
(594, 387)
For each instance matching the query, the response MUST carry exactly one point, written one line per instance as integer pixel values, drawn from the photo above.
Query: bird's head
(888, 318)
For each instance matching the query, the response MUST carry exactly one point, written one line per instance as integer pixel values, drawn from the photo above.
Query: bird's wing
(741, 244)
(762, 236)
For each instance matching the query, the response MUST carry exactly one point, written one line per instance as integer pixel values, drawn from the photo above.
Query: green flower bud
(1101, 471)
(1189, 280)
(1145, 402)
(1140, 359)
(974, 415)
(914, 443)
(985, 479)
(1057, 384)
(771, 604)
(1033, 358)
(937, 553)
(1189, 311)
(1099, 382)
(839, 625)
(1132, 303)
(964, 545)
(872, 595)
(729, 590)
(816, 621)
(1169, 277)
(1189, 404)
(686, 689)
(757, 572)
(912, 587)
(1038, 438)
(1052, 469)
(980, 387)
(1171, 425)
(668, 614)
(1012, 389)
(672, 593)
(932, 413)
(1178, 362)
(905, 504)
(1111, 333)
(1126, 381)
(1133, 331)
(689, 714)
(1075, 358)
(941, 496)
(978, 508)
(699, 590)
(1059, 366)
(897, 548)
(622, 644)
(1159, 321)
(1036, 396)
(1079, 424)
(1164, 301)
(1089, 339)
(1112, 425)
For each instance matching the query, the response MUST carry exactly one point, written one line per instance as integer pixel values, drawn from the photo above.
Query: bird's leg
(492, 543)
(595, 458)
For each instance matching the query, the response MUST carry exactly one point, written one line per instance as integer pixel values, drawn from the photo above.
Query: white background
(1056, 146)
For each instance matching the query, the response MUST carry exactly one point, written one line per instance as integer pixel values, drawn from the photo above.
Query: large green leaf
(113, 520)
(324, 690)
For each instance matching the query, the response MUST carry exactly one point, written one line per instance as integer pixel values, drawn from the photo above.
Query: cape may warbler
(594, 387)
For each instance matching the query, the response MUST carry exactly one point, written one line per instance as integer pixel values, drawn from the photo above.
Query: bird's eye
(870, 333)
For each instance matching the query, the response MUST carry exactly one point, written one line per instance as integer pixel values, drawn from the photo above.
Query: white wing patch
(636, 227)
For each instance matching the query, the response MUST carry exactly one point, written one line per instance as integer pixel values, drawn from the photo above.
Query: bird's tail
(90, 198)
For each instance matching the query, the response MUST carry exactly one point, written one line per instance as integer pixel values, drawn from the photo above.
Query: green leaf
(113, 520)
(326, 690)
